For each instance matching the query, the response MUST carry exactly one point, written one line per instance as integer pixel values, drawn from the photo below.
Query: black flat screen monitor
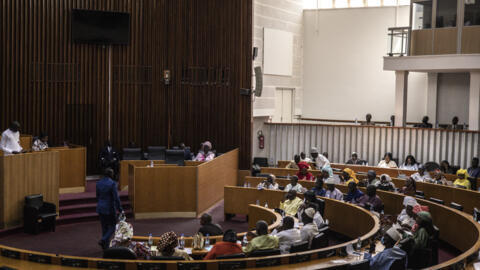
(100, 27)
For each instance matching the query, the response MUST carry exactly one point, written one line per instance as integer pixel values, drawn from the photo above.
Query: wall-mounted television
(100, 27)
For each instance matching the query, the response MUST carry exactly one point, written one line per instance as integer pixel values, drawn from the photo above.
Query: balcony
(398, 40)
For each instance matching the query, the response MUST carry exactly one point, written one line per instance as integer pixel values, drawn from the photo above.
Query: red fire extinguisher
(261, 140)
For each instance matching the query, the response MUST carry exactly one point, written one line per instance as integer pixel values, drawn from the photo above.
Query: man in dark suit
(108, 203)
(109, 158)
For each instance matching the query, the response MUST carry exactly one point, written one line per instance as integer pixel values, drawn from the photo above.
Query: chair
(360, 265)
(156, 152)
(399, 264)
(231, 256)
(175, 157)
(419, 196)
(319, 241)
(132, 154)
(324, 229)
(419, 192)
(38, 214)
(457, 206)
(473, 183)
(435, 200)
(119, 253)
(299, 247)
(261, 161)
(167, 258)
(264, 253)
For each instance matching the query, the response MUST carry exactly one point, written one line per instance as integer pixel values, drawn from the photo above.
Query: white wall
(453, 97)
(343, 65)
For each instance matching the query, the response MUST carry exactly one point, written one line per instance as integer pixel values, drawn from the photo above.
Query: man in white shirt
(309, 229)
(294, 185)
(319, 160)
(333, 192)
(287, 234)
(421, 175)
(10, 143)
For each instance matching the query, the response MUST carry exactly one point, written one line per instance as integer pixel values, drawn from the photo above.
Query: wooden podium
(73, 168)
(26, 174)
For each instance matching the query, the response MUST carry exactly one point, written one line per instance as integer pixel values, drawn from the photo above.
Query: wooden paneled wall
(50, 84)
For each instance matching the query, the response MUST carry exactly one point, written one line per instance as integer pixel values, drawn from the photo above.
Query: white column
(401, 89)
(432, 80)
(474, 105)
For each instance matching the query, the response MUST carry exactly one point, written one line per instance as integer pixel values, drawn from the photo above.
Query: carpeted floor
(81, 239)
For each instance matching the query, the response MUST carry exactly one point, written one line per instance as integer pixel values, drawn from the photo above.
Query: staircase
(81, 207)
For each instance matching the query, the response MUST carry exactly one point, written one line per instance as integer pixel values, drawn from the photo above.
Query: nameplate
(232, 265)
(267, 262)
(11, 254)
(299, 258)
(111, 265)
(74, 262)
(40, 258)
(191, 266)
(151, 266)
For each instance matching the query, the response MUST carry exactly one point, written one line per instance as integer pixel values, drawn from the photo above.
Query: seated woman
(167, 247)
(269, 183)
(303, 173)
(122, 238)
(440, 179)
(370, 200)
(406, 218)
(409, 164)
(422, 175)
(294, 185)
(41, 143)
(205, 153)
(446, 168)
(386, 183)
(420, 240)
(228, 246)
(410, 187)
(348, 175)
(462, 180)
(387, 161)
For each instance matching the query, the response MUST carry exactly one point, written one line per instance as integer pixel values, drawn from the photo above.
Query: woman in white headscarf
(205, 153)
(406, 218)
(122, 238)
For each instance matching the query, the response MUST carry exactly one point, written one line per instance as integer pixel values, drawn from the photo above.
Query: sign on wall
(278, 52)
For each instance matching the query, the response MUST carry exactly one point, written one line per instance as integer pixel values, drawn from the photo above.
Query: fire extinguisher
(261, 140)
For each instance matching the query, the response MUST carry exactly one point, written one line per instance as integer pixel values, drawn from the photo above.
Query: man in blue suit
(108, 203)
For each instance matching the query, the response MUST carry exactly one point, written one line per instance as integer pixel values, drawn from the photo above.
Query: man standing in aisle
(10, 143)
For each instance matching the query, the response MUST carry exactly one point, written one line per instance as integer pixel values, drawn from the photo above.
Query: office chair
(319, 241)
(38, 215)
(419, 192)
(264, 253)
(132, 154)
(435, 200)
(120, 253)
(156, 152)
(175, 157)
(299, 247)
(261, 161)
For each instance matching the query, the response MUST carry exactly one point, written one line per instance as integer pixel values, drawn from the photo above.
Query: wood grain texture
(422, 42)
(193, 163)
(51, 84)
(213, 176)
(26, 174)
(471, 39)
(445, 40)
(123, 178)
(73, 166)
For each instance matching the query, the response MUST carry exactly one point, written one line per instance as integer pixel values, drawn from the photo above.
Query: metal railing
(398, 40)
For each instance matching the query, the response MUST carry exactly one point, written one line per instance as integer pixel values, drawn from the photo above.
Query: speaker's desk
(73, 169)
(26, 174)
(180, 191)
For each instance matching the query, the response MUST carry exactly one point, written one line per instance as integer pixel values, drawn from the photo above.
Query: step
(84, 198)
(86, 207)
(84, 217)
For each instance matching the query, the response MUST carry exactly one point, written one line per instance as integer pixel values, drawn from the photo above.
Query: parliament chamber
(235, 134)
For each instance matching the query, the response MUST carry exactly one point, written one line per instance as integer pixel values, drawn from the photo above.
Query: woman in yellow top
(462, 179)
(349, 176)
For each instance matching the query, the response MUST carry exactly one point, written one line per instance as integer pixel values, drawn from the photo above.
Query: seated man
(287, 234)
(422, 175)
(228, 246)
(208, 227)
(304, 158)
(311, 201)
(333, 192)
(187, 153)
(293, 163)
(294, 185)
(10, 142)
(474, 170)
(291, 204)
(167, 247)
(386, 183)
(391, 253)
(320, 160)
(309, 229)
(41, 143)
(303, 173)
(318, 188)
(440, 179)
(353, 193)
(268, 183)
(262, 239)
(370, 180)
(371, 200)
(355, 161)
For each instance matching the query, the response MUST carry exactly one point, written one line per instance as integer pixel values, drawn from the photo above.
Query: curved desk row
(469, 199)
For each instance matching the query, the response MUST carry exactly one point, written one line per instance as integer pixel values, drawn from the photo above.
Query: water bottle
(356, 121)
(150, 240)
(182, 241)
(257, 202)
(151, 163)
(266, 205)
(359, 244)
(207, 240)
(245, 240)
(245, 184)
